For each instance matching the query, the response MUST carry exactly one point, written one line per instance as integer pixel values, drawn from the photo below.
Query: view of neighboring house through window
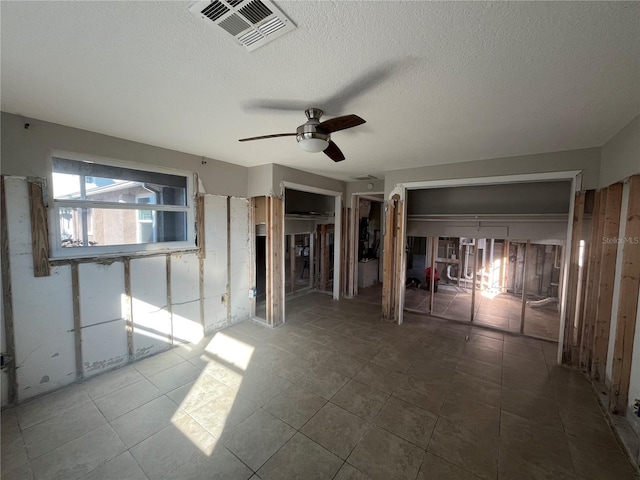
(104, 205)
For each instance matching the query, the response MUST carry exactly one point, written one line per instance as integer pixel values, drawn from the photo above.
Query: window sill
(108, 257)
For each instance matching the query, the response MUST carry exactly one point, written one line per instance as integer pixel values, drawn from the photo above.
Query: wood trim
(593, 275)
(200, 227)
(268, 263)
(574, 270)
(628, 303)
(128, 313)
(525, 271)
(324, 257)
(277, 252)
(388, 261)
(432, 279)
(39, 230)
(169, 306)
(7, 299)
(228, 288)
(399, 275)
(476, 259)
(77, 321)
(611, 229)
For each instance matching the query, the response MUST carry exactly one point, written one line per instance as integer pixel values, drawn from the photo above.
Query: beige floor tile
(422, 394)
(474, 415)
(53, 404)
(360, 399)
(407, 421)
(380, 378)
(61, 429)
(259, 386)
(223, 413)
(111, 381)
(335, 429)
(295, 406)
(175, 376)
(121, 467)
(468, 449)
(127, 398)
(13, 452)
(466, 386)
(22, 472)
(78, 457)
(482, 354)
(347, 472)
(595, 461)
(436, 468)
(257, 438)
(384, 456)
(537, 409)
(301, 458)
(491, 373)
(344, 364)
(194, 394)
(157, 363)
(323, 382)
(144, 421)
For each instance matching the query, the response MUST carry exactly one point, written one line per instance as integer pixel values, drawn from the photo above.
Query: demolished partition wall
(90, 316)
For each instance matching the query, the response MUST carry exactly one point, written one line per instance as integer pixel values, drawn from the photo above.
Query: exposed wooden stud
(169, 306)
(7, 299)
(201, 291)
(324, 258)
(593, 276)
(277, 252)
(574, 270)
(39, 230)
(611, 230)
(200, 227)
(344, 252)
(312, 259)
(292, 262)
(77, 322)
(228, 289)
(388, 266)
(525, 271)
(128, 307)
(628, 303)
(432, 276)
(504, 270)
(474, 283)
(269, 262)
(580, 324)
(400, 265)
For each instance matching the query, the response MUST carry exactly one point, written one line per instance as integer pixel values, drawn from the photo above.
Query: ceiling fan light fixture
(313, 145)
(313, 142)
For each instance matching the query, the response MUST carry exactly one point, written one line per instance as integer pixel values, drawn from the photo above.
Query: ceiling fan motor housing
(309, 136)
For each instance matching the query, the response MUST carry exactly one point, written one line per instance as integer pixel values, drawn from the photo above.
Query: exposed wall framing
(39, 230)
(388, 268)
(628, 302)
(611, 229)
(275, 261)
(574, 269)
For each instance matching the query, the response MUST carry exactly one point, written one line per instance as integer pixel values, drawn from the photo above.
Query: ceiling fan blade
(268, 136)
(341, 123)
(333, 152)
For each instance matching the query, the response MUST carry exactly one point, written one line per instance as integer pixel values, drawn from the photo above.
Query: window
(102, 208)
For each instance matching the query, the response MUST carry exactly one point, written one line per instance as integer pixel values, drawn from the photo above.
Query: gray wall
(587, 160)
(25, 152)
(513, 198)
(621, 155)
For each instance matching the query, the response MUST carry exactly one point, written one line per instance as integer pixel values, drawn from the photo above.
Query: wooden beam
(268, 262)
(292, 262)
(324, 257)
(474, 283)
(627, 303)
(400, 266)
(7, 299)
(128, 307)
(277, 253)
(39, 230)
(388, 264)
(593, 275)
(574, 270)
(525, 271)
(77, 322)
(200, 236)
(432, 274)
(610, 234)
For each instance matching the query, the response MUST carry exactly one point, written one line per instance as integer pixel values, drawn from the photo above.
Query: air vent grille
(234, 25)
(256, 11)
(251, 23)
(214, 11)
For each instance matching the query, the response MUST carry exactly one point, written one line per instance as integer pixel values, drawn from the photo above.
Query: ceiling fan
(315, 136)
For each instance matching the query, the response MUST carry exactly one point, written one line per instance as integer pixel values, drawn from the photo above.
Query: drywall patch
(215, 263)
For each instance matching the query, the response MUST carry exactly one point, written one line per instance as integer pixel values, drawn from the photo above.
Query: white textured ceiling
(455, 81)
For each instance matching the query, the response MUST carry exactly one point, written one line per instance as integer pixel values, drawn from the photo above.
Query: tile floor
(503, 311)
(334, 394)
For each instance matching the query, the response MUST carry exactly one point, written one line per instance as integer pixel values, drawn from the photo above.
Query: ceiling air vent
(365, 177)
(252, 23)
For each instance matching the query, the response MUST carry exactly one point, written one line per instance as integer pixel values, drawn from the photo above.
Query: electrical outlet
(636, 407)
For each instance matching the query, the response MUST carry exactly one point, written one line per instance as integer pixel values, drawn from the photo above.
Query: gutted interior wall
(292, 175)
(621, 154)
(165, 298)
(25, 153)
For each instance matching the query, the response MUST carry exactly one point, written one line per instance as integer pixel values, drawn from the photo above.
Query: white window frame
(60, 252)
